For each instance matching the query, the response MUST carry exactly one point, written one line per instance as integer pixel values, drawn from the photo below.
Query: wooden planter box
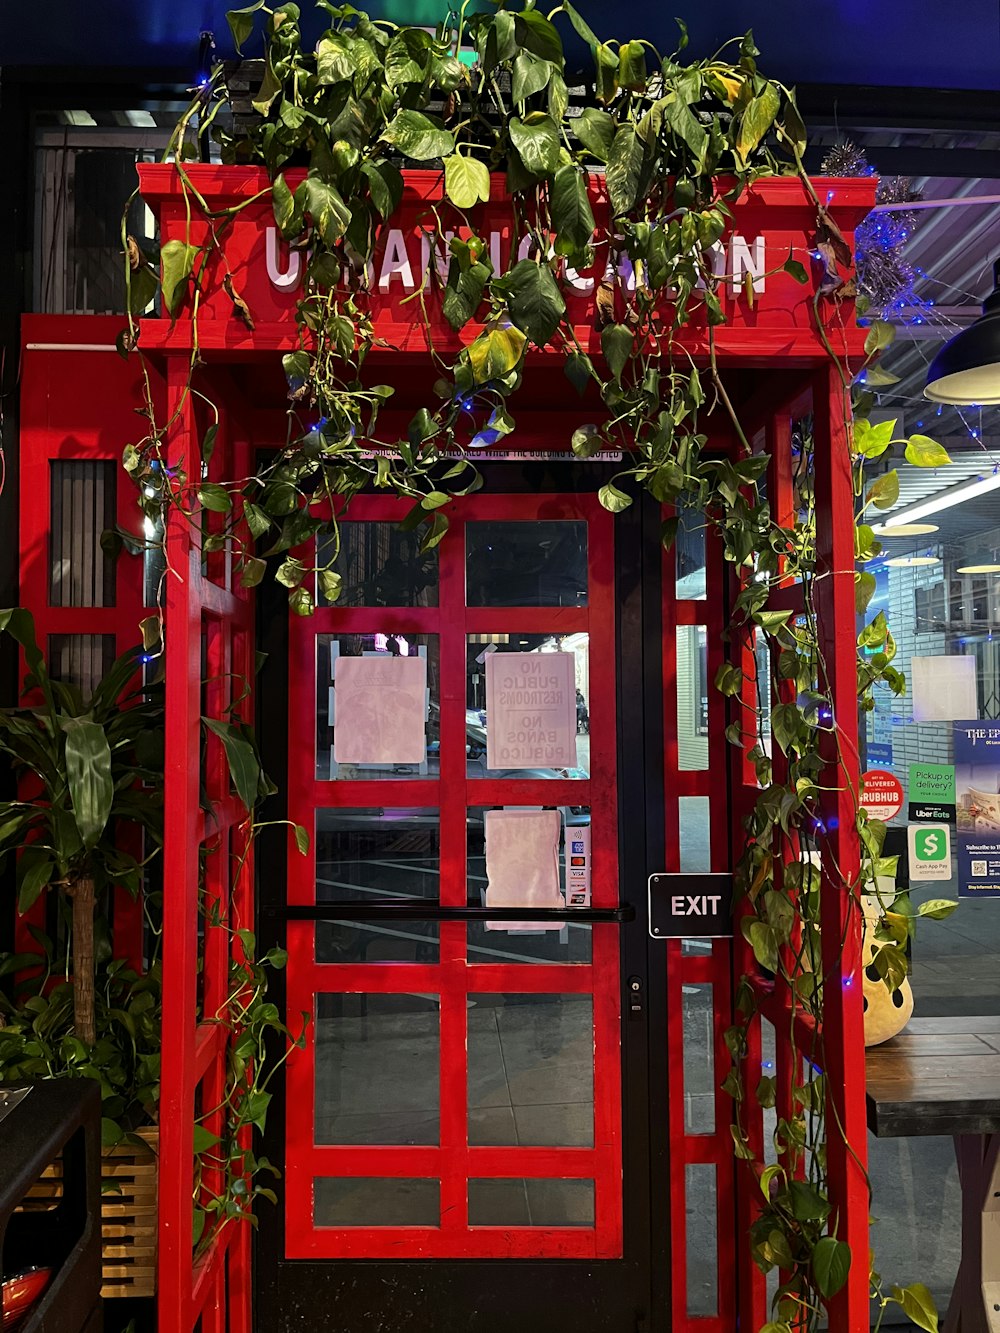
(128, 1214)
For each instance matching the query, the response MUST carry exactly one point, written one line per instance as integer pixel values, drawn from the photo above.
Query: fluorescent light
(908, 561)
(904, 529)
(954, 495)
(979, 562)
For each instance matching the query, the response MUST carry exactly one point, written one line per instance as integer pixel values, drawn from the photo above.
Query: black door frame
(495, 1296)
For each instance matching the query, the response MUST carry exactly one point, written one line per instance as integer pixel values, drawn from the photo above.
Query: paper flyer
(943, 689)
(977, 822)
(380, 710)
(530, 710)
(522, 864)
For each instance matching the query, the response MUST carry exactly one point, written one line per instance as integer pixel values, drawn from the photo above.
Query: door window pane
(537, 563)
(379, 714)
(692, 697)
(379, 941)
(377, 1063)
(377, 855)
(533, 715)
(503, 1202)
(379, 565)
(695, 846)
(702, 1209)
(690, 554)
(531, 1070)
(699, 1059)
(376, 1201)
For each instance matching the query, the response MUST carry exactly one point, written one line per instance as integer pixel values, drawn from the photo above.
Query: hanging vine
(678, 141)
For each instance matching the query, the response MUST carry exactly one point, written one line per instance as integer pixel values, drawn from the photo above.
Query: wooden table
(942, 1076)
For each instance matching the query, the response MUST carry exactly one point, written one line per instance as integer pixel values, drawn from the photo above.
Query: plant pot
(128, 1213)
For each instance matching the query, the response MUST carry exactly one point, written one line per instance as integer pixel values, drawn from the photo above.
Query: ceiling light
(980, 562)
(908, 561)
(966, 371)
(904, 529)
(954, 495)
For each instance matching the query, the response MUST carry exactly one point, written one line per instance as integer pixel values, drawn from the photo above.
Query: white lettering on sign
(285, 268)
(701, 904)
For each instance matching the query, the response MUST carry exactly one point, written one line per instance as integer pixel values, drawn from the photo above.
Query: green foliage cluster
(677, 141)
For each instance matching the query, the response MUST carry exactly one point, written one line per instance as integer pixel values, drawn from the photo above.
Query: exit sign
(690, 906)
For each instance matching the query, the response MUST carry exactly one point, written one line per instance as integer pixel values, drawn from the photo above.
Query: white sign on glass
(530, 710)
(380, 709)
(943, 689)
(522, 864)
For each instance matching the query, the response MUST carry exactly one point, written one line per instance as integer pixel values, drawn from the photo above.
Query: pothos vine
(678, 141)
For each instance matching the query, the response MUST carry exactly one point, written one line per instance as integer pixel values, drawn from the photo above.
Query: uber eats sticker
(930, 852)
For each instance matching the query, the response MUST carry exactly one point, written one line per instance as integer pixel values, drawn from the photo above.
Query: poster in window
(943, 689)
(381, 707)
(530, 710)
(977, 820)
(522, 864)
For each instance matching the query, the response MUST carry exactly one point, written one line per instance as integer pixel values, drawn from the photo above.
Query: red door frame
(453, 977)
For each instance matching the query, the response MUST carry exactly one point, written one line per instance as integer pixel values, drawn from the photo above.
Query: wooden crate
(128, 1214)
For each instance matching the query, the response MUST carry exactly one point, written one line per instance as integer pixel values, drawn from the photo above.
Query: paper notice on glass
(522, 864)
(531, 710)
(381, 706)
(943, 689)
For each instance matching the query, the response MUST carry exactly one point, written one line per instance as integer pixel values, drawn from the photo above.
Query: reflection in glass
(569, 943)
(504, 1202)
(702, 1210)
(379, 565)
(690, 557)
(537, 563)
(692, 697)
(376, 1201)
(382, 941)
(531, 1070)
(699, 1059)
(377, 855)
(478, 648)
(330, 647)
(377, 1061)
(695, 846)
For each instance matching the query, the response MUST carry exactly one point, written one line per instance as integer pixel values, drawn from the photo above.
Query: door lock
(635, 1004)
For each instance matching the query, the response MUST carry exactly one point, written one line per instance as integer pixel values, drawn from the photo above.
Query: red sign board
(881, 794)
(773, 221)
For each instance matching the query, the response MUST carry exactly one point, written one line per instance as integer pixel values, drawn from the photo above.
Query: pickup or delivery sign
(929, 852)
(881, 794)
(932, 792)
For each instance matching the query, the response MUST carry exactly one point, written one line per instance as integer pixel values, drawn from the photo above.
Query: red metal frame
(453, 978)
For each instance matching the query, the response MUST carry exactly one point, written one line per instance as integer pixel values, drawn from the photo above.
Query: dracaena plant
(87, 767)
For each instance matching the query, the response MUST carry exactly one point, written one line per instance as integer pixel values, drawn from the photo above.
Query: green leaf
(808, 1204)
(530, 76)
(614, 499)
(407, 57)
(419, 136)
(214, 497)
(864, 591)
(287, 208)
(937, 908)
(606, 82)
(763, 940)
(330, 215)
(466, 180)
(872, 441)
(464, 292)
(880, 334)
(831, 1263)
(616, 344)
(625, 169)
(757, 119)
(252, 571)
(301, 601)
(918, 1305)
(495, 353)
(579, 370)
(176, 260)
(534, 300)
(539, 36)
(385, 184)
(34, 871)
(796, 270)
(582, 29)
(595, 129)
(586, 441)
(296, 365)
(244, 767)
(301, 839)
(922, 451)
(537, 142)
(88, 775)
(111, 1132)
(142, 285)
(874, 377)
(572, 215)
(884, 491)
(241, 23)
(632, 65)
(331, 584)
(204, 1139)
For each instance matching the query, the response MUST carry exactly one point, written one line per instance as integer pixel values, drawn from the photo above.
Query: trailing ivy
(678, 141)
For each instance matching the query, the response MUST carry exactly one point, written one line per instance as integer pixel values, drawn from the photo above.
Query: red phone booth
(495, 1121)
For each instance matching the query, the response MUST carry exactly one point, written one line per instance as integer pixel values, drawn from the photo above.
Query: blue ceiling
(883, 42)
